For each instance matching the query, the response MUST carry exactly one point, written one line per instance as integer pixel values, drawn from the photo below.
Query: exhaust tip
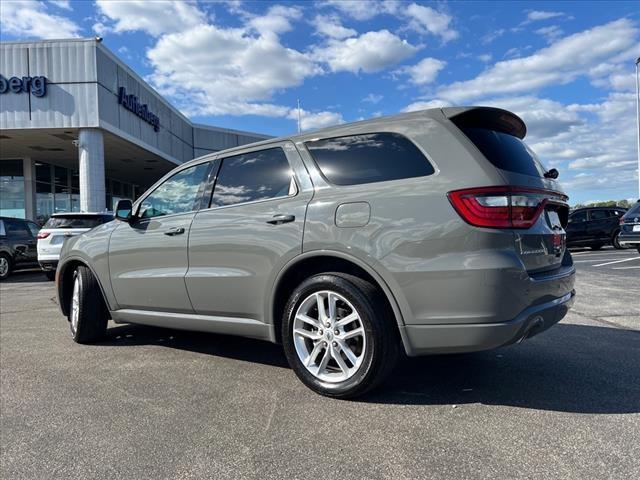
(536, 324)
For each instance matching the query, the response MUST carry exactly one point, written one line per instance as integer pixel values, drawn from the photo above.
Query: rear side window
(368, 158)
(578, 217)
(599, 214)
(253, 176)
(633, 211)
(505, 151)
(16, 229)
(76, 221)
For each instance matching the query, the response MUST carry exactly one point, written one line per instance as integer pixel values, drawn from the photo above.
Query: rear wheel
(87, 312)
(339, 338)
(5, 266)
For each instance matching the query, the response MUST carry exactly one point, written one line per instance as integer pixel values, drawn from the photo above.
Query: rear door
(20, 238)
(252, 227)
(148, 256)
(577, 227)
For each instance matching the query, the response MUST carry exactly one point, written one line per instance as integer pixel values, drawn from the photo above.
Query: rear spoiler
(487, 117)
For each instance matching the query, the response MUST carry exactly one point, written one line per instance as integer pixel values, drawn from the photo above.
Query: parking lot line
(625, 268)
(617, 261)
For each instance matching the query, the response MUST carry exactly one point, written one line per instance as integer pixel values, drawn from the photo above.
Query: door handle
(280, 219)
(174, 231)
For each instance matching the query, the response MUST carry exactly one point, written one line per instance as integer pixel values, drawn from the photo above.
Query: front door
(148, 257)
(253, 227)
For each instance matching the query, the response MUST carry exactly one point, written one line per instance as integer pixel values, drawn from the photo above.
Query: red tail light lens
(502, 207)
(43, 235)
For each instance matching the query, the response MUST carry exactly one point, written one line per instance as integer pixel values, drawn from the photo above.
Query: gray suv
(431, 232)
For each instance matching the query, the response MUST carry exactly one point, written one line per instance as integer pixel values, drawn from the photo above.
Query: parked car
(431, 232)
(60, 227)
(594, 227)
(17, 245)
(630, 228)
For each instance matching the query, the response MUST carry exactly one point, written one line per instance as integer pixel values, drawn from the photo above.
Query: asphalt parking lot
(154, 403)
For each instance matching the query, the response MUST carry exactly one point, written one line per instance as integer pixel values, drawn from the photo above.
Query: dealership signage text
(131, 103)
(36, 85)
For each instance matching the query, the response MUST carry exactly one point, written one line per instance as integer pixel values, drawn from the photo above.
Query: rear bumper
(458, 338)
(48, 265)
(629, 239)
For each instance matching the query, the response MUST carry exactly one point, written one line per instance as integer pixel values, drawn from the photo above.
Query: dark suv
(17, 244)
(630, 228)
(595, 227)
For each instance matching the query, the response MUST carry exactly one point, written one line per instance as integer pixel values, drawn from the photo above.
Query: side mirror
(123, 210)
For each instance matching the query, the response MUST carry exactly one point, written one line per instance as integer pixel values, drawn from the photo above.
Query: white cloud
(30, 19)
(423, 72)
(369, 52)
(426, 104)
(330, 26)
(64, 4)
(277, 20)
(314, 120)
(558, 64)
(485, 57)
(216, 71)
(373, 98)
(426, 19)
(361, 9)
(537, 15)
(154, 18)
(551, 33)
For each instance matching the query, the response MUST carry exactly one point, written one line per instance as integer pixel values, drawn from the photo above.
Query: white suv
(59, 227)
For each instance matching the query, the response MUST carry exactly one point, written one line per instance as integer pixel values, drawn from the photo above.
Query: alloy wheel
(329, 336)
(75, 304)
(4, 266)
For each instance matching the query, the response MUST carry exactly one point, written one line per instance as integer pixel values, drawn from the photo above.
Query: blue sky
(567, 68)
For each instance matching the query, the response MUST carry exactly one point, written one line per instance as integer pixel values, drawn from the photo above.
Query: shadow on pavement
(570, 368)
(27, 276)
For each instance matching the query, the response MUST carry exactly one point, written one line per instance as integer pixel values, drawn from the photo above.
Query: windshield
(76, 221)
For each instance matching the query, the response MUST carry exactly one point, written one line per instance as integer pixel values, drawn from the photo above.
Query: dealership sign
(36, 85)
(131, 103)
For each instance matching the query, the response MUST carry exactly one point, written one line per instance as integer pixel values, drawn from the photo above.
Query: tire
(597, 246)
(87, 312)
(51, 275)
(638, 249)
(615, 241)
(6, 266)
(371, 337)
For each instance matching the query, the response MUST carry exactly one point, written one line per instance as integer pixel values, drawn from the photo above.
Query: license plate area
(636, 228)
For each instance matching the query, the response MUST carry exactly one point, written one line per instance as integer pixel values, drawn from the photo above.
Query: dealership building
(79, 130)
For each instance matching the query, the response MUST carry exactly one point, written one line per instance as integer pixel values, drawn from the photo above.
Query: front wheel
(339, 337)
(87, 313)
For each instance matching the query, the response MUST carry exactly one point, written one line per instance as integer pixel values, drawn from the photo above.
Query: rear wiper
(553, 173)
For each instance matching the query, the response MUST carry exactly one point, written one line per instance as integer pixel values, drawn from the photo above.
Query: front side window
(177, 194)
(253, 176)
(578, 217)
(368, 158)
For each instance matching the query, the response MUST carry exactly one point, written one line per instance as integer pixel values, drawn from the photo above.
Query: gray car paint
(436, 271)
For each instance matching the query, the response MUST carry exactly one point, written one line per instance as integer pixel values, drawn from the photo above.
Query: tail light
(42, 235)
(503, 207)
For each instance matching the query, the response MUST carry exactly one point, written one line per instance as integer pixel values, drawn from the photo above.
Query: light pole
(638, 120)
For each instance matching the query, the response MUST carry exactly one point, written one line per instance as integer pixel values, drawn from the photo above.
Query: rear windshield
(77, 221)
(505, 151)
(635, 210)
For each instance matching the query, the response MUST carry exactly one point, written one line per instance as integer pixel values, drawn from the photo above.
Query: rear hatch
(630, 221)
(59, 227)
(531, 204)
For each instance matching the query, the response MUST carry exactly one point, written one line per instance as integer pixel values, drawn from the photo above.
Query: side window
(178, 194)
(253, 176)
(372, 157)
(579, 217)
(33, 228)
(599, 215)
(16, 229)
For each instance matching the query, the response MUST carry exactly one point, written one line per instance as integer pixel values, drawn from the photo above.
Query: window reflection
(178, 194)
(253, 176)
